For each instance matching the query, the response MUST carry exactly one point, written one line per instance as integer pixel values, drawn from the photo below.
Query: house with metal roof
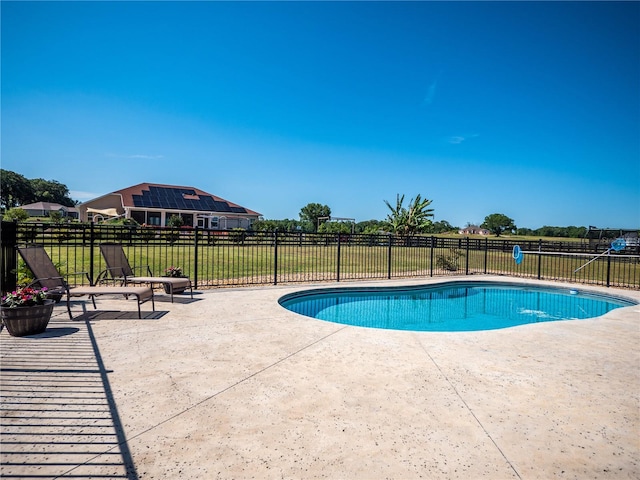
(153, 204)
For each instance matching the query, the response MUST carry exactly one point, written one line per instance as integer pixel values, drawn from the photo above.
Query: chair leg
(139, 311)
(69, 306)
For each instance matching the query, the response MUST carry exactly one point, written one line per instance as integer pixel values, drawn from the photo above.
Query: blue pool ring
(518, 256)
(618, 244)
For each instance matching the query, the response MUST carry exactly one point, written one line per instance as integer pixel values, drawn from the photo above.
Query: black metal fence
(213, 258)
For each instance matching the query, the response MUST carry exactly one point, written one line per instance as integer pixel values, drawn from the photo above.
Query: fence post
(486, 254)
(466, 267)
(338, 260)
(92, 240)
(275, 257)
(195, 257)
(539, 259)
(9, 256)
(608, 268)
(389, 257)
(433, 240)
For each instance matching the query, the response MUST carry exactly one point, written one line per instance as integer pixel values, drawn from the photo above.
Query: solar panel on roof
(221, 206)
(182, 199)
(208, 203)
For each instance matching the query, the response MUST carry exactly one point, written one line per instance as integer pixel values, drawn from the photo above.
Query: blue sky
(526, 109)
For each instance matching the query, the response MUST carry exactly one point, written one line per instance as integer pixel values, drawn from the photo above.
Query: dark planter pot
(22, 321)
(176, 290)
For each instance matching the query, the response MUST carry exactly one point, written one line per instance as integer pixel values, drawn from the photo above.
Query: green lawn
(235, 264)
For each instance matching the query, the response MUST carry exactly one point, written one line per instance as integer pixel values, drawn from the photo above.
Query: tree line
(402, 220)
(16, 190)
(414, 218)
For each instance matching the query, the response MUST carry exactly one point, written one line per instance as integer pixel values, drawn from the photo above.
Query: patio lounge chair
(119, 269)
(47, 275)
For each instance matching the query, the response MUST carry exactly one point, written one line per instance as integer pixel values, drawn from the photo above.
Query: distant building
(473, 230)
(153, 204)
(44, 209)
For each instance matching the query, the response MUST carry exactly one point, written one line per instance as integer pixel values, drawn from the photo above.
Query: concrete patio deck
(230, 385)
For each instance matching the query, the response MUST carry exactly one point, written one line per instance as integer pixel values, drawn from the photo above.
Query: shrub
(237, 235)
(146, 234)
(171, 236)
(17, 214)
(175, 221)
(451, 261)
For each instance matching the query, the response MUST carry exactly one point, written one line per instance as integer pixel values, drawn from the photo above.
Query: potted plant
(26, 311)
(174, 272)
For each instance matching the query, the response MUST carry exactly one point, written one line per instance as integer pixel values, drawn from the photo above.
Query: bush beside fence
(213, 258)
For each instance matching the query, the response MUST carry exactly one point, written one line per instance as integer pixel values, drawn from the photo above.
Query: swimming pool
(450, 306)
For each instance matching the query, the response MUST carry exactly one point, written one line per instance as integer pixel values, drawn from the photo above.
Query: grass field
(261, 263)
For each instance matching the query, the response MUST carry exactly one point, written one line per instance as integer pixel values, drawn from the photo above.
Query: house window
(138, 216)
(187, 218)
(214, 222)
(154, 218)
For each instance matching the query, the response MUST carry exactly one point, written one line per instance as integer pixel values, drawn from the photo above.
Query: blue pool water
(449, 307)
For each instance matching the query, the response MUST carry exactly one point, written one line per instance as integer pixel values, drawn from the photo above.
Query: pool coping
(415, 320)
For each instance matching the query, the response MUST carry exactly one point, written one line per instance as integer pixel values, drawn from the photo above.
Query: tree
(371, 226)
(397, 218)
(51, 191)
(576, 232)
(285, 225)
(56, 216)
(570, 231)
(14, 190)
(17, 190)
(524, 231)
(410, 220)
(312, 212)
(335, 227)
(497, 223)
(442, 227)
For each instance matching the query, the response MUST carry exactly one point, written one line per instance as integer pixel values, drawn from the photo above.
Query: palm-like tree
(407, 221)
(397, 218)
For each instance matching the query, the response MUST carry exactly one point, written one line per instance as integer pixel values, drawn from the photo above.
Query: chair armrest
(105, 276)
(86, 274)
(111, 274)
(142, 268)
(63, 283)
